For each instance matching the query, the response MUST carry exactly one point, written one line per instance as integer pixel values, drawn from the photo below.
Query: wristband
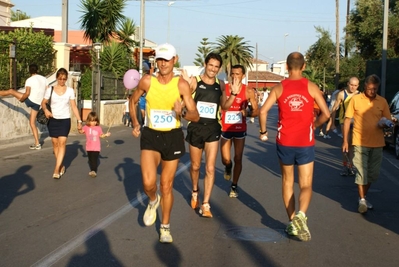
(233, 94)
(265, 132)
(79, 121)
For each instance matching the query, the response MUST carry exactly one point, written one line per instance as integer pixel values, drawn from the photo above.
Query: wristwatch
(262, 132)
(233, 94)
(79, 121)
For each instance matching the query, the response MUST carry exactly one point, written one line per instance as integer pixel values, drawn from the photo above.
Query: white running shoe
(150, 214)
(165, 236)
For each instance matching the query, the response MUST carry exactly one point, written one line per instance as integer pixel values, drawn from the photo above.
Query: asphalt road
(84, 221)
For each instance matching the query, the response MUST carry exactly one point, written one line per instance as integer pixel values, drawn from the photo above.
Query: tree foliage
(101, 18)
(125, 30)
(321, 54)
(115, 59)
(365, 27)
(31, 47)
(203, 51)
(233, 51)
(18, 15)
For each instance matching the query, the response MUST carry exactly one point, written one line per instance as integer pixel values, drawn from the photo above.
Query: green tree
(365, 27)
(321, 55)
(101, 18)
(203, 51)
(125, 30)
(114, 59)
(233, 50)
(314, 75)
(31, 47)
(86, 83)
(18, 15)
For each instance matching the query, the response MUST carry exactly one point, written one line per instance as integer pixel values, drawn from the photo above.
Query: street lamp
(95, 90)
(169, 5)
(285, 35)
(18, 12)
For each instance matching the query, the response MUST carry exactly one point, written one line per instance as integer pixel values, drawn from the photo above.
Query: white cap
(165, 51)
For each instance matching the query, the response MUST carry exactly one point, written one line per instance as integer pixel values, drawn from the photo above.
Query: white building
(5, 12)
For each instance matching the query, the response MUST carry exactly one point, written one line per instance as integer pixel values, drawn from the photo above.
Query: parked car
(392, 133)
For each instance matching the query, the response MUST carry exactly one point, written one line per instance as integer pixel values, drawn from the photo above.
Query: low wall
(14, 119)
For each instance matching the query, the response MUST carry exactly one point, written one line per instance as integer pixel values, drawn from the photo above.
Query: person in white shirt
(59, 125)
(35, 86)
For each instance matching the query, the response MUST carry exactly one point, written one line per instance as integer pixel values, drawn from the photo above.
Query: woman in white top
(59, 125)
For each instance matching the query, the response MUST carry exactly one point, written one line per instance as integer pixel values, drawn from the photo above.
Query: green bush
(31, 47)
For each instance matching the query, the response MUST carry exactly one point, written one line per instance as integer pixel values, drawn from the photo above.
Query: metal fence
(112, 88)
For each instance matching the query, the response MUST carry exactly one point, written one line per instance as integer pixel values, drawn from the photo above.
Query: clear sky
(262, 22)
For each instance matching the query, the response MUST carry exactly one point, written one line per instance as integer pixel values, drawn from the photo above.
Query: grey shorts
(367, 161)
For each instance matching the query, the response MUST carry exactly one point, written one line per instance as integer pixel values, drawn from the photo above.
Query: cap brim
(168, 57)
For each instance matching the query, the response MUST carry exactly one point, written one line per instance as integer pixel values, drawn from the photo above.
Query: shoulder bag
(41, 116)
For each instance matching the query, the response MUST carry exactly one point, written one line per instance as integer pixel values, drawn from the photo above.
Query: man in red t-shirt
(234, 124)
(295, 97)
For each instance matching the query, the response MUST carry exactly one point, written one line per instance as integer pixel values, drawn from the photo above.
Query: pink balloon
(131, 79)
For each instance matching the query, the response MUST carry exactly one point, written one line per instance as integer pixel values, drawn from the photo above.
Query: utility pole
(346, 33)
(384, 48)
(337, 55)
(256, 66)
(64, 26)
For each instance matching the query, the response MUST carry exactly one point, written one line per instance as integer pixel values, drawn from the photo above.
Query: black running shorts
(170, 144)
(198, 133)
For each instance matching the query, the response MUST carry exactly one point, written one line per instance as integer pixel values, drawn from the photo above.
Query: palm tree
(101, 18)
(114, 59)
(233, 51)
(125, 31)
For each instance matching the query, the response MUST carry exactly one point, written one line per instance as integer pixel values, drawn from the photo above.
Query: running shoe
(362, 208)
(300, 223)
(335, 131)
(321, 133)
(340, 135)
(205, 210)
(194, 200)
(291, 229)
(39, 146)
(368, 204)
(150, 214)
(227, 172)
(233, 191)
(326, 136)
(165, 236)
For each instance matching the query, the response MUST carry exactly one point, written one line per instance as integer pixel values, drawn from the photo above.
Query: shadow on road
(98, 253)
(13, 185)
(129, 173)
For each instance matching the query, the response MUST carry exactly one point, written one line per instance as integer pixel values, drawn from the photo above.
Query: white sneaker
(165, 236)
(150, 214)
(369, 205)
(39, 146)
(321, 133)
(362, 206)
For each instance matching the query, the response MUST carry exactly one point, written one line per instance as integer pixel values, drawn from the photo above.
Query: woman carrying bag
(59, 125)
